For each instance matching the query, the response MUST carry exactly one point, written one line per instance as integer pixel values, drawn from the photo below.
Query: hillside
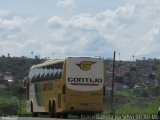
(17, 66)
(134, 74)
(134, 83)
(128, 73)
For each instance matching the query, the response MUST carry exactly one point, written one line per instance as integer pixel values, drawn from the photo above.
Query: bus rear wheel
(64, 115)
(52, 110)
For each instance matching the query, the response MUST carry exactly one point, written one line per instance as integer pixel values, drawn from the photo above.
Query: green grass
(125, 102)
(134, 109)
(128, 102)
(6, 99)
(125, 93)
(5, 93)
(23, 107)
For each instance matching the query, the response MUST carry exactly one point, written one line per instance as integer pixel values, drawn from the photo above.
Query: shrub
(9, 108)
(145, 93)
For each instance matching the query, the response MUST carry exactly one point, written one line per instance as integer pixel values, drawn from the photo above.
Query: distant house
(137, 87)
(8, 76)
(6, 80)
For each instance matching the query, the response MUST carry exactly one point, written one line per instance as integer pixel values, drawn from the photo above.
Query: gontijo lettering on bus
(85, 81)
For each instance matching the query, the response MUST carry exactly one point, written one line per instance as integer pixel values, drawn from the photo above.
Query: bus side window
(58, 70)
(45, 73)
(38, 78)
(32, 79)
(33, 75)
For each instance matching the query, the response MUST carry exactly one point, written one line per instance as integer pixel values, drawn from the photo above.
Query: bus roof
(51, 61)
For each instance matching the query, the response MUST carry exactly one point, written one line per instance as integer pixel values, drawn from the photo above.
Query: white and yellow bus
(72, 85)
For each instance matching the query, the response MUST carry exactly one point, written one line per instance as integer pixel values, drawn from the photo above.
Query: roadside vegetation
(12, 105)
(18, 66)
(126, 101)
(133, 102)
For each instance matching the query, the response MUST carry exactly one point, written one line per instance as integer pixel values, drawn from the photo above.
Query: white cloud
(132, 28)
(14, 34)
(84, 22)
(10, 47)
(123, 29)
(66, 3)
(55, 22)
(4, 13)
(150, 42)
(85, 34)
(16, 23)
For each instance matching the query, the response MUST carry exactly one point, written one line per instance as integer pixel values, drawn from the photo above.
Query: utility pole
(113, 75)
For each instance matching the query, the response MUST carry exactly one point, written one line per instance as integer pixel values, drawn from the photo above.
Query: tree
(32, 52)
(145, 93)
(144, 58)
(133, 57)
(119, 79)
(127, 74)
(157, 90)
(152, 76)
(8, 54)
(36, 57)
(133, 69)
(131, 84)
(3, 56)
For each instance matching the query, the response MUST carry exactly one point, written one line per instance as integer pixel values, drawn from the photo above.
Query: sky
(60, 28)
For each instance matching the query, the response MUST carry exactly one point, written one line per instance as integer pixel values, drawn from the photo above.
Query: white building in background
(8, 76)
(6, 80)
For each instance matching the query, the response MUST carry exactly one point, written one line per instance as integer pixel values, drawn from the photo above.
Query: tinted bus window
(49, 72)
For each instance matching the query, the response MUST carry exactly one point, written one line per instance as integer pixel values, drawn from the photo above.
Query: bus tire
(58, 115)
(64, 115)
(34, 114)
(80, 116)
(52, 109)
(158, 115)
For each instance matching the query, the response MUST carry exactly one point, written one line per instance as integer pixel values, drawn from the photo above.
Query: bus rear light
(64, 89)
